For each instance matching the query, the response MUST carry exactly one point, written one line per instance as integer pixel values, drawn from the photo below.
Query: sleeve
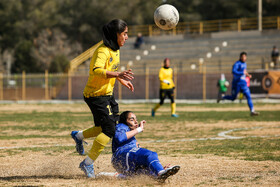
(160, 75)
(99, 65)
(235, 70)
(120, 135)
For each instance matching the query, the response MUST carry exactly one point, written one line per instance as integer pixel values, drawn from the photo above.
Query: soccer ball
(166, 17)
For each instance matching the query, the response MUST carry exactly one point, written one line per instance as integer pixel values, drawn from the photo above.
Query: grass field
(215, 145)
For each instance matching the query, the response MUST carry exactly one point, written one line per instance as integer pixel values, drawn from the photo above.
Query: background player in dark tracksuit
(239, 71)
(98, 93)
(166, 87)
(128, 158)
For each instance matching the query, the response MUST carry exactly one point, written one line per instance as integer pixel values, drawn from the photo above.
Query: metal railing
(201, 27)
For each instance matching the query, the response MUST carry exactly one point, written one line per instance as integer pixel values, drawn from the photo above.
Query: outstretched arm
(126, 83)
(139, 129)
(126, 75)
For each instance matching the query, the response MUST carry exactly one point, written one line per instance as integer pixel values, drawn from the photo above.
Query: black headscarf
(110, 37)
(110, 31)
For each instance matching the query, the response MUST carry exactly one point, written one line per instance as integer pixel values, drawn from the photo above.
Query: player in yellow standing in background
(166, 87)
(98, 93)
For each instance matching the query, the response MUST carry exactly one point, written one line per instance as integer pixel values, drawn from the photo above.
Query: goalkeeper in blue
(129, 159)
(239, 84)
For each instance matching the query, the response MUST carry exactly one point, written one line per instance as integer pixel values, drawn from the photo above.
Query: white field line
(221, 136)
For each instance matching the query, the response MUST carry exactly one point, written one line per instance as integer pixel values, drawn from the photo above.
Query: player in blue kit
(129, 159)
(239, 84)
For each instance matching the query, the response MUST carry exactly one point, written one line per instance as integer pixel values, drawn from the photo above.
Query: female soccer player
(128, 158)
(166, 87)
(98, 93)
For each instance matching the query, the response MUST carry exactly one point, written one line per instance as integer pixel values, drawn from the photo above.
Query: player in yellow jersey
(98, 93)
(166, 87)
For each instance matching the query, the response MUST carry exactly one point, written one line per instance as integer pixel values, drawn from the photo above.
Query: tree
(23, 60)
(59, 64)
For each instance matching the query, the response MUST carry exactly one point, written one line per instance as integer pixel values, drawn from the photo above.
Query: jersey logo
(111, 59)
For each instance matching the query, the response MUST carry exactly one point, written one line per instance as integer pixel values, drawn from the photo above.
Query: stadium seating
(186, 50)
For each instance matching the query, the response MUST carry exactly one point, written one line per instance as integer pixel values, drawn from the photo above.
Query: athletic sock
(156, 107)
(88, 161)
(98, 145)
(173, 108)
(80, 135)
(92, 132)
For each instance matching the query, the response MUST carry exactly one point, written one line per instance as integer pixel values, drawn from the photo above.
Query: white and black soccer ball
(166, 17)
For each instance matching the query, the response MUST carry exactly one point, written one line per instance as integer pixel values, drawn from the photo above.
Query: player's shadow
(10, 178)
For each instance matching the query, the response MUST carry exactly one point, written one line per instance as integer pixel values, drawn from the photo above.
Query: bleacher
(186, 50)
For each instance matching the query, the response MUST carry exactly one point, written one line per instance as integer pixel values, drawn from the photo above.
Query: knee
(152, 156)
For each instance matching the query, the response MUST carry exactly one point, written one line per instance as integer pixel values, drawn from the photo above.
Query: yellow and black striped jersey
(166, 78)
(104, 59)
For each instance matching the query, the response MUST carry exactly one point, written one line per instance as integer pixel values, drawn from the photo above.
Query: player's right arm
(126, 75)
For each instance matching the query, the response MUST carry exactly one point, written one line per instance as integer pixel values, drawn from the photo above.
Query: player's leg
(115, 109)
(102, 115)
(247, 93)
(144, 158)
(170, 94)
(234, 91)
(78, 136)
(162, 95)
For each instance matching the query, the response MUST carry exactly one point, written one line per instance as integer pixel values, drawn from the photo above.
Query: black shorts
(105, 111)
(166, 92)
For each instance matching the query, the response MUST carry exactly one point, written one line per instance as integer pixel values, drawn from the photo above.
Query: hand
(126, 83)
(167, 82)
(126, 75)
(142, 123)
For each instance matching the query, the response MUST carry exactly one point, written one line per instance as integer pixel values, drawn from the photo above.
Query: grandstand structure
(198, 56)
(216, 51)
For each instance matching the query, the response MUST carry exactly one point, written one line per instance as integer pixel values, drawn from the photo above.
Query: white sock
(80, 135)
(88, 161)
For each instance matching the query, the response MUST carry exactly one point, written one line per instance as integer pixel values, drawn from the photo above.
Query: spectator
(139, 41)
(275, 56)
(222, 85)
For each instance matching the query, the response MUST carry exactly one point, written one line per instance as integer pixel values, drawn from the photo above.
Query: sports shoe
(255, 113)
(87, 169)
(174, 115)
(167, 173)
(153, 113)
(79, 143)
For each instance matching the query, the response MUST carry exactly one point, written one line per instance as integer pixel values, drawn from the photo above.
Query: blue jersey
(127, 157)
(120, 142)
(238, 71)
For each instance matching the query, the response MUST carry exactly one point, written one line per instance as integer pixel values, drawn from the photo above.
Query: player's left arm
(126, 83)
(247, 74)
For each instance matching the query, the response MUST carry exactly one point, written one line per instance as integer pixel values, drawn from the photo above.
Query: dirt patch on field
(35, 157)
(39, 169)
